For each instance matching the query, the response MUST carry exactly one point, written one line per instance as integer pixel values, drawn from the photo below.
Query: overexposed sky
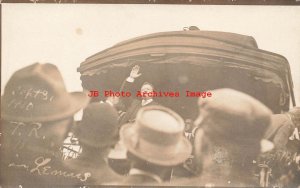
(67, 34)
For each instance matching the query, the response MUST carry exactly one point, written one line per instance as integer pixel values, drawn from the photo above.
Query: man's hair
(147, 83)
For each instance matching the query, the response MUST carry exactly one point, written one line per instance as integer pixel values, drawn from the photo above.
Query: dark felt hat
(38, 93)
(99, 125)
(157, 136)
(235, 117)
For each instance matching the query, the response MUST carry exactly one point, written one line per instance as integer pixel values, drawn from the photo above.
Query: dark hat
(99, 125)
(157, 136)
(37, 93)
(235, 117)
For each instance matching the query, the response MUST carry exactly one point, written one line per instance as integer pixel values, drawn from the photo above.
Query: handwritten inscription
(21, 126)
(42, 167)
(23, 105)
(21, 130)
(25, 98)
(31, 93)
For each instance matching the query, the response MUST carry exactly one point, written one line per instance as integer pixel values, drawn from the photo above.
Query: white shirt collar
(145, 102)
(109, 102)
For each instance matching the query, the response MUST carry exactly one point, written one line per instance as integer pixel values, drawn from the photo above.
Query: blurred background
(67, 34)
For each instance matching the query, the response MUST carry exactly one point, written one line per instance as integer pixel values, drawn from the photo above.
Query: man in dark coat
(36, 116)
(132, 104)
(97, 133)
(155, 144)
(117, 157)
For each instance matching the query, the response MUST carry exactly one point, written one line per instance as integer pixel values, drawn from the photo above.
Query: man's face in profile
(147, 88)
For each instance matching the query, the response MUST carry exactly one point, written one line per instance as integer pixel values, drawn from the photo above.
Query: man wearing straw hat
(155, 144)
(36, 116)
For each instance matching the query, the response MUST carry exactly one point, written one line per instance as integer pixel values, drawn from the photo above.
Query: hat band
(156, 137)
(155, 153)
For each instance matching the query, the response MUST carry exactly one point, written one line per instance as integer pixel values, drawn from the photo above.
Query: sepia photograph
(109, 95)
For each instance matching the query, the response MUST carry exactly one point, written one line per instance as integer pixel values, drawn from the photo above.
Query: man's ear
(198, 149)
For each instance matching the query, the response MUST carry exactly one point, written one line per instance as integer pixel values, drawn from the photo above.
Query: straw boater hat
(157, 137)
(37, 93)
(235, 118)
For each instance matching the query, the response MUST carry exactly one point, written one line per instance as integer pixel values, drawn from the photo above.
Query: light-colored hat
(236, 118)
(157, 136)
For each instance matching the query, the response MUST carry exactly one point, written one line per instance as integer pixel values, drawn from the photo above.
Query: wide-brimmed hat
(157, 136)
(38, 93)
(235, 118)
(99, 125)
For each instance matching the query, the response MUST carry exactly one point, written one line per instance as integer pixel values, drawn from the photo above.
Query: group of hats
(232, 116)
(156, 135)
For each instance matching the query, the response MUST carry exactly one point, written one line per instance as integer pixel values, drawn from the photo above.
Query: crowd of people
(237, 142)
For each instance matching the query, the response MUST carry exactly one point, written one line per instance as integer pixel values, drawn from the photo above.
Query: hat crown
(163, 121)
(38, 75)
(232, 112)
(159, 125)
(157, 136)
(37, 93)
(99, 125)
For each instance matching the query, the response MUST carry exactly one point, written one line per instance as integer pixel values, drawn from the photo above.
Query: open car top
(195, 61)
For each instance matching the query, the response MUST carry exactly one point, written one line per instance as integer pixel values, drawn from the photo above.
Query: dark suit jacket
(100, 172)
(132, 105)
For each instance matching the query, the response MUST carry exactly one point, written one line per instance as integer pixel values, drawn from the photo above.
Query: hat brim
(78, 100)
(155, 154)
(119, 152)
